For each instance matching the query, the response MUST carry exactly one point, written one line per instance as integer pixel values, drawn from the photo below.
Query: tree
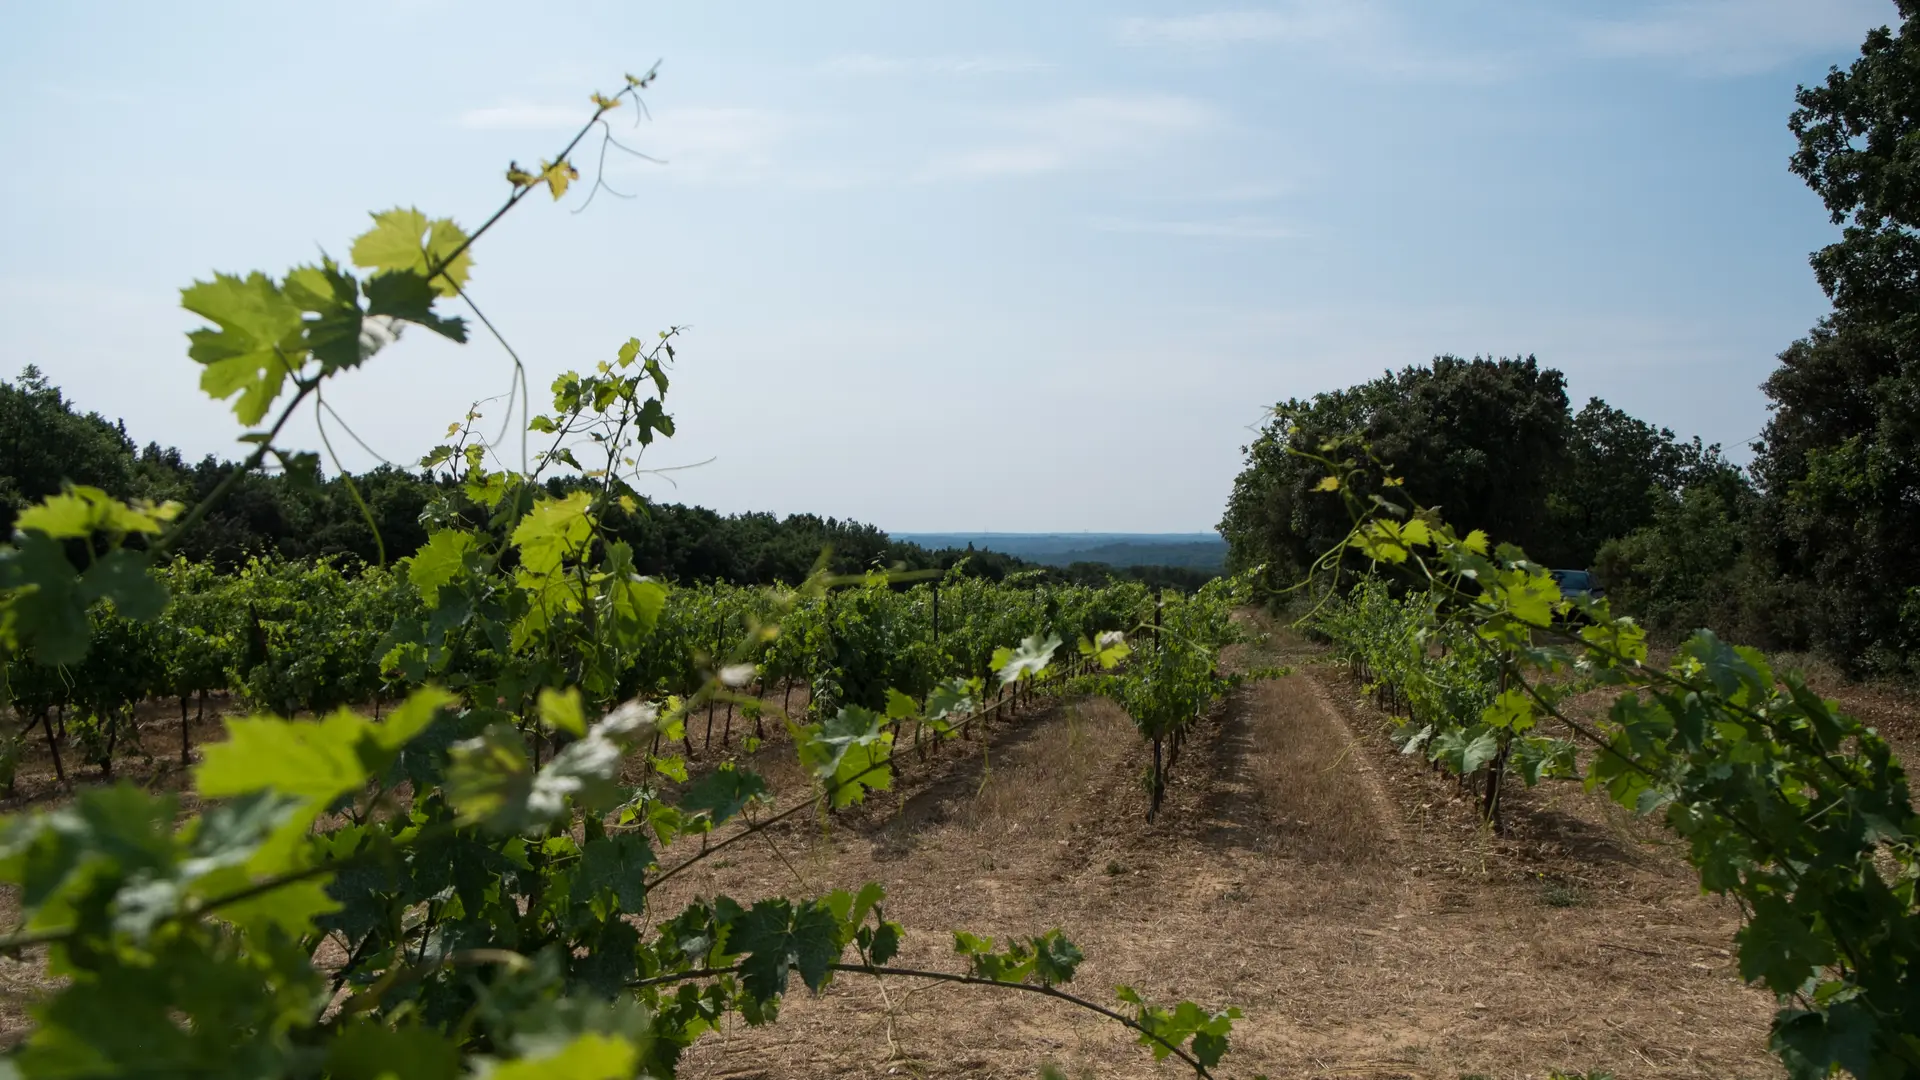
(1486, 438)
(1621, 472)
(45, 444)
(1688, 567)
(1840, 459)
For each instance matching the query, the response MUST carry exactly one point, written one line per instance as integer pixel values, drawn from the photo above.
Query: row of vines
(291, 637)
(1798, 812)
(1438, 679)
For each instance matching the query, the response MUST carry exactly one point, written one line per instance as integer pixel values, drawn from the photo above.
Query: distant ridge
(1194, 551)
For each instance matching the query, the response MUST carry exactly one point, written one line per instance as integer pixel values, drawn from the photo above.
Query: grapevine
(457, 888)
(1794, 809)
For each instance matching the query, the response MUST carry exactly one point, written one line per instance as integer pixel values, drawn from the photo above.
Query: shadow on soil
(1233, 812)
(949, 777)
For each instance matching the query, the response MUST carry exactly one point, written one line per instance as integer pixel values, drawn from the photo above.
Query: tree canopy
(1840, 459)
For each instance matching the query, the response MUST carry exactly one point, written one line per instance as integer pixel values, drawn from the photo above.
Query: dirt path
(1302, 870)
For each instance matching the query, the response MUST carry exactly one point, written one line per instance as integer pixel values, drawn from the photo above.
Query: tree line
(47, 442)
(1816, 546)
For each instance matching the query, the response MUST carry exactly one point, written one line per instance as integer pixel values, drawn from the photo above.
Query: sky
(944, 266)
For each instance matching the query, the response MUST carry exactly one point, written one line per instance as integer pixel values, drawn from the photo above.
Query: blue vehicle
(1578, 583)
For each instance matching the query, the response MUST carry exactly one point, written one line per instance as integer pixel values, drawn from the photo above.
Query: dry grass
(1301, 869)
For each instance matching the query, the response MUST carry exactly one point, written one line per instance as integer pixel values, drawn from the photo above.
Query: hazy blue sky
(1005, 266)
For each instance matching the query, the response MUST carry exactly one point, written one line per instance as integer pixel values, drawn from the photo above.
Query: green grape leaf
(1531, 599)
(776, 938)
(121, 576)
(558, 175)
(592, 1056)
(332, 297)
(409, 296)
(1055, 958)
(1778, 948)
(1107, 649)
(885, 943)
(951, 698)
(723, 793)
(969, 945)
(1480, 751)
(849, 752)
(104, 831)
(1380, 541)
(900, 706)
(365, 1050)
(553, 530)
(561, 710)
(1169, 1028)
(490, 777)
(66, 516)
(301, 468)
(667, 822)
(256, 344)
(868, 899)
(491, 780)
(393, 243)
(1812, 1043)
(81, 512)
(634, 601)
(408, 719)
(619, 864)
(1029, 661)
(440, 561)
(41, 607)
(1537, 758)
(317, 761)
(1416, 739)
(290, 908)
(1511, 711)
(407, 241)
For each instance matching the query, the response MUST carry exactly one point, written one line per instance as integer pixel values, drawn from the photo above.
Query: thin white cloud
(715, 144)
(1361, 36)
(867, 64)
(1236, 228)
(1734, 37)
(521, 116)
(1213, 29)
(1079, 131)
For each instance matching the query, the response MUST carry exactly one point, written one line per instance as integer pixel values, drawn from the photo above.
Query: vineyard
(461, 881)
(293, 638)
(503, 807)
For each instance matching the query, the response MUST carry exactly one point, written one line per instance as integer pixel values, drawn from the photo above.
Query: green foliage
(1798, 811)
(1840, 457)
(1563, 484)
(480, 861)
(1165, 1028)
(1173, 679)
(1691, 566)
(1048, 959)
(45, 445)
(1486, 438)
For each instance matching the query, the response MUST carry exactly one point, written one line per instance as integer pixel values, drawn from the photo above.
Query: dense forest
(1813, 548)
(46, 442)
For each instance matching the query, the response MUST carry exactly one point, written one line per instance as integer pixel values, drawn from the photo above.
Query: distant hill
(1194, 551)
